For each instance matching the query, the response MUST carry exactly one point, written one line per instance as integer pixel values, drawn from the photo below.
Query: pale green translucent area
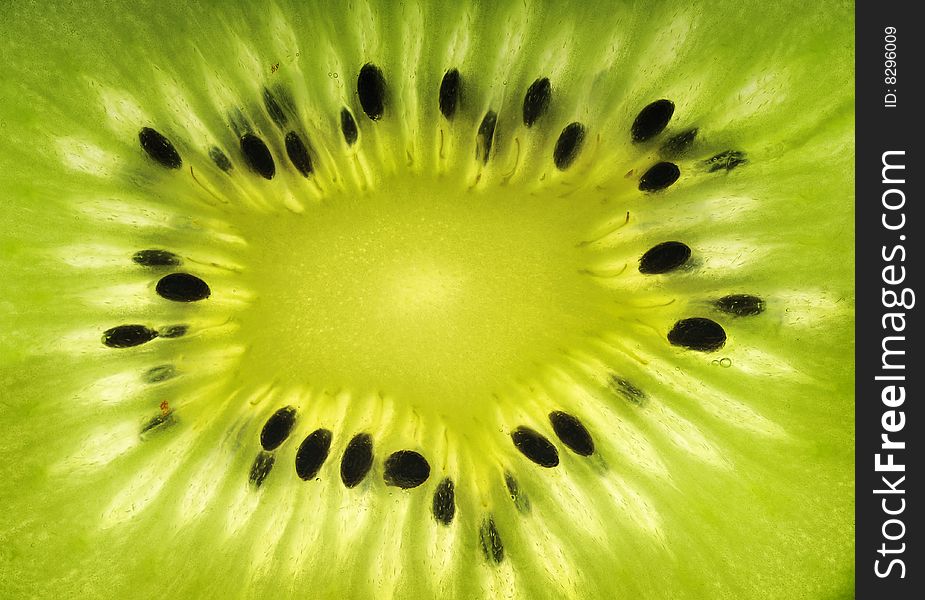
(423, 290)
(410, 290)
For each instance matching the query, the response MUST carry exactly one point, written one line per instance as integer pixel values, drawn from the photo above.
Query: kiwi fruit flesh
(427, 300)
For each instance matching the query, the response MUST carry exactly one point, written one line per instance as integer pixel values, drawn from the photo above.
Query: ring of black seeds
(405, 468)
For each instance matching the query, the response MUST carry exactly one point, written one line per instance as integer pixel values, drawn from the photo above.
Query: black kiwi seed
(173, 331)
(651, 120)
(485, 135)
(273, 109)
(357, 460)
(155, 258)
(348, 126)
(261, 468)
(663, 258)
(678, 145)
(627, 389)
(127, 336)
(238, 122)
(535, 447)
(182, 287)
(660, 176)
(159, 148)
(312, 453)
(450, 92)
(572, 433)
(371, 89)
(698, 333)
(740, 305)
(277, 428)
(490, 540)
(444, 505)
(406, 469)
(728, 160)
(219, 158)
(257, 156)
(298, 153)
(536, 100)
(159, 422)
(160, 373)
(568, 145)
(520, 499)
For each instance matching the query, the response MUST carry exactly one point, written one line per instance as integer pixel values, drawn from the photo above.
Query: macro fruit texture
(427, 300)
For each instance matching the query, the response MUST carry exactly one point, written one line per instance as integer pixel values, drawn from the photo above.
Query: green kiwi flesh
(427, 300)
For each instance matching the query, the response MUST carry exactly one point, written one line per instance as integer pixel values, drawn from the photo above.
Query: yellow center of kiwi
(420, 289)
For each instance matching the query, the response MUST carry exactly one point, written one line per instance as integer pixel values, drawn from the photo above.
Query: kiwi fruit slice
(427, 300)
